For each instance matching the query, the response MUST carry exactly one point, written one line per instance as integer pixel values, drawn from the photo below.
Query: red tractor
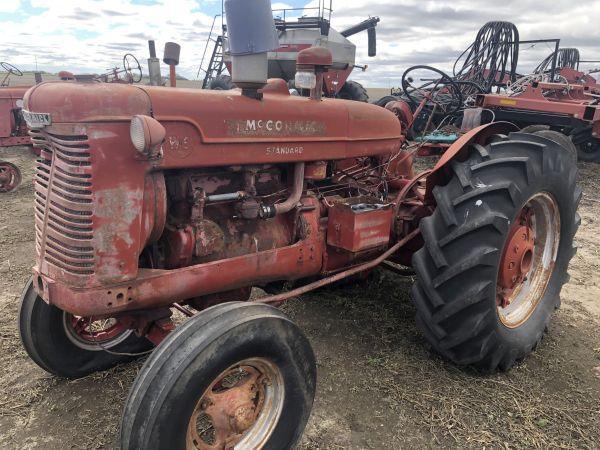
(151, 200)
(13, 130)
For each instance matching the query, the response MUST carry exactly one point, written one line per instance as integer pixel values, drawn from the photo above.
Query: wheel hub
(237, 409)
(517, 257)
(528, 259)
(94, 335)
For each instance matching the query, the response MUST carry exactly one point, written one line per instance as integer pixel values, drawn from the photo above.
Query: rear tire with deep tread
(588, 146)
(171, 382)
(457, 268)
(222, 83)
(561, 139)
(385, 100)
(352, 90)
(535, 128)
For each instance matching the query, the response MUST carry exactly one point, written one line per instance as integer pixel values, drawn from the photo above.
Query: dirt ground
(379, 386)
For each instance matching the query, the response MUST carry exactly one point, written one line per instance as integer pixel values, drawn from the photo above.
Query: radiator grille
(63, 202)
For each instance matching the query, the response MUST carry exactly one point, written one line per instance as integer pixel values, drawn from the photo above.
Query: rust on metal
(238, 193)
(359, 224)
(528, 259)
(517, 257)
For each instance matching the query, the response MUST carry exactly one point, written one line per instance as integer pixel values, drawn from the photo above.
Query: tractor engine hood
(71, 102)
(228, 116)
(215, 128)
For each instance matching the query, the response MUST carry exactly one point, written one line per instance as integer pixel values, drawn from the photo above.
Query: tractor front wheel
(496, 251)
(70, 346)
(236, 375)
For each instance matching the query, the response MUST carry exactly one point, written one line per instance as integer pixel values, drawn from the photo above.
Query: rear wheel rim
(94, 335)
(240, 408)
(528, 260)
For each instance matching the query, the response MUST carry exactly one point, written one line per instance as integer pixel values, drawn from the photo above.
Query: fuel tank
(216, 128)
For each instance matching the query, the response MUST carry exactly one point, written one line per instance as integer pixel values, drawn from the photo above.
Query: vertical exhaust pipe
(252, 34)
(154, 66)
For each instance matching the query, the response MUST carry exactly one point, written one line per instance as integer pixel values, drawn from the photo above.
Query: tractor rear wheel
(385, 100)
(235, 375)
(222, 83)
(351, 90)
(496, 251)
(535, 128)
(71, 346)
(559, 138)
(588, 147)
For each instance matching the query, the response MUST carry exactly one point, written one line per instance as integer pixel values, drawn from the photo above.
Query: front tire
(56, 341)
(180, 398)
(501, 235)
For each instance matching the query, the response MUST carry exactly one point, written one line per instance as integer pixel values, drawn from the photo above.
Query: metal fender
(441, 173)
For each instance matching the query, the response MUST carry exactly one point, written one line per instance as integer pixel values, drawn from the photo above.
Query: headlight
(137, 133)
(147, 134)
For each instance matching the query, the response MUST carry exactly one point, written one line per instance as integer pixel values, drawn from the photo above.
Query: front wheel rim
(240, 408)
(528, 259)
(94, 335)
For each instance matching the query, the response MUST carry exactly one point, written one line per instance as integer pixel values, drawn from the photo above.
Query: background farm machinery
(486, 87)
(13, 128)
(295, 34)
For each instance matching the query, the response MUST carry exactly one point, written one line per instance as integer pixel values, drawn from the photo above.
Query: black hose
(566, 57)
(491, 58)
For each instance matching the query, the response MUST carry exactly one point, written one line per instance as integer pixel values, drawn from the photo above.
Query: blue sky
(89, 36)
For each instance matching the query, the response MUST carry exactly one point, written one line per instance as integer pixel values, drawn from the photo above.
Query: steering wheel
(11, 69)
(131, 64)
(438, 91)
(469, 91)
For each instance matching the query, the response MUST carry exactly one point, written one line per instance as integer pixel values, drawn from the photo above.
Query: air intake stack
(252, 34)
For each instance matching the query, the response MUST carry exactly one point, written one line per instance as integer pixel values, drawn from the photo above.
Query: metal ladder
(216, 64)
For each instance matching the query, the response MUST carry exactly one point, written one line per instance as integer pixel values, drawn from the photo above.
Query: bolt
(511, 265)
